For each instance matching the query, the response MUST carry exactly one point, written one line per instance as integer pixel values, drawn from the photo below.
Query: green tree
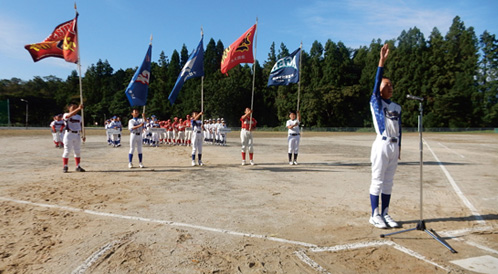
(488, 78)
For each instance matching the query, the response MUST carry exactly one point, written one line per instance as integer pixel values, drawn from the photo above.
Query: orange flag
(239, 51)
(62, 43)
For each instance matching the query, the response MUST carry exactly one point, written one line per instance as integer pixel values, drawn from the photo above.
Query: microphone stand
(421, 224)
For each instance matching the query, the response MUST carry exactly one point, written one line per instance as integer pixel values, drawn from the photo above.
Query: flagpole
(202, 85)
(150, 44)
(83, 136)
(299, 83)
(254, 70)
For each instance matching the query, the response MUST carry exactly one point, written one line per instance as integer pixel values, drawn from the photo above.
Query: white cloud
(358, 22)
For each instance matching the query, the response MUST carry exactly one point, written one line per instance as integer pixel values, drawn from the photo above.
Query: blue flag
(285, 70)
(139, 85)
(193, 68)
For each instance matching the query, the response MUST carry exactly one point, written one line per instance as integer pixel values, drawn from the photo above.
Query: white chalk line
(461, 156)
(465, 231)
(94, 258)
(376, 244)
(305, 259)
(454, 234)
(164, 222)
(457, 189)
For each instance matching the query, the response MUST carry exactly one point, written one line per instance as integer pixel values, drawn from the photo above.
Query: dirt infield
(226, 218)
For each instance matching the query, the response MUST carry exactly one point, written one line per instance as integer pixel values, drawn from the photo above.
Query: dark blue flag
(193, 68)
(285, 70)
(139, 85)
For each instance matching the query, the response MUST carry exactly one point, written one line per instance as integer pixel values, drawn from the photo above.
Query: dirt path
(227, 218)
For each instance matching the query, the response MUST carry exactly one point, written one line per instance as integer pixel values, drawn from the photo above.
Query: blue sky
(119, 30)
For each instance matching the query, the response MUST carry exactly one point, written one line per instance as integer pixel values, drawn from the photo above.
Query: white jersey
(57, 125)
(133, 123)
(115, 125)
(294, 130)
(72, 123)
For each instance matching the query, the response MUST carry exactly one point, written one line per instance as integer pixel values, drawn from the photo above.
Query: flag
(285, 70)
(239, 51)
(193, 68)
(138, 88)
(62, 43)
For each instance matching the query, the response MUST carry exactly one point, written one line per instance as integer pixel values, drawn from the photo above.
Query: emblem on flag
(137, 90)
(239, 51)
(62, 43)
(193, 68)
(285, 70)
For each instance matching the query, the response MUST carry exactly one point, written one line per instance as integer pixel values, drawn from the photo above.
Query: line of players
(178, 132)
(57, 126)
(114, 137)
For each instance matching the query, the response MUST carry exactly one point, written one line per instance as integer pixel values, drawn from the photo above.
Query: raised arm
(75, 111)
(384, 52)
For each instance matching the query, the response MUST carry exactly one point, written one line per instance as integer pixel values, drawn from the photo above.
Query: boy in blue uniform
(386, 148)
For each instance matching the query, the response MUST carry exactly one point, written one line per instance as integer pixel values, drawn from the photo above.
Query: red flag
(61, 43)
(239, 51)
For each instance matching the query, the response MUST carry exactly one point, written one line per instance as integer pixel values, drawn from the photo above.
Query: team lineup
(193, 131)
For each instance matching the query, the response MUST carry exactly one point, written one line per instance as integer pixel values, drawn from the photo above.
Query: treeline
(455, 73)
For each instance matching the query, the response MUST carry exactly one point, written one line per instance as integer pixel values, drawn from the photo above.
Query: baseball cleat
(390, 222)
(193, 163)
(378, 221)
(252, 162)
(80, 169)
(201, 163)
(64, 169)
(141, 165)
(130, 165)
(243, 162)
(295, 163)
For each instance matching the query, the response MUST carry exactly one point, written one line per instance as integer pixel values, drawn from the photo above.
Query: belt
(390, 139)
(198, 131)
(294, 134)
(135, 133)
(72, 131)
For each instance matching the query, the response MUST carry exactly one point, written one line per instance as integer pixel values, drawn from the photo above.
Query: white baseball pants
(72, 141)
(384, 158)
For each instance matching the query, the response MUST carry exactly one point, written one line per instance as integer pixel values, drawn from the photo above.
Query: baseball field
(170, 217)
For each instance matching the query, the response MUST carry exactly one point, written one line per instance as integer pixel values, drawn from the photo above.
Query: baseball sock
(295, 157)
(374, 202)
(250, 156)
(243, 156)
(77, 160)
(130, 157)
(385, 203)
(140, 157)
(193, 157)
(290, 157)
(65, 161)
(199, 156)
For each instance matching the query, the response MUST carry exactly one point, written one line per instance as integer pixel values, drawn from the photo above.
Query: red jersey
(248, 124)
(181, 126)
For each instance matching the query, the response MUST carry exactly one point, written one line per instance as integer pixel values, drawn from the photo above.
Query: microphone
(415, 98)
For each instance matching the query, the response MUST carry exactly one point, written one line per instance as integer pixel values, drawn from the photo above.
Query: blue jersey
(196, 125)
(386, 114)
